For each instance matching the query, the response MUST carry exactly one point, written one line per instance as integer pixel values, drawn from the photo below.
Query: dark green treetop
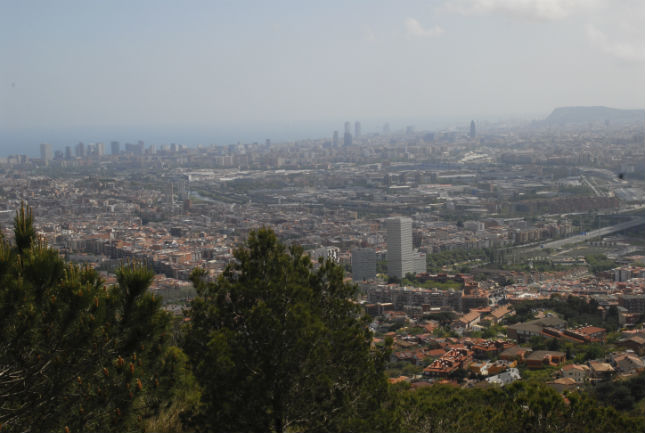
(280, 345)
(23, 228)
(73, 353)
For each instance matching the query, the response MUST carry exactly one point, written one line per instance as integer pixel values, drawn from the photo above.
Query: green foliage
(622, 395)
(519, 407)
(538, 376)
(536, 266)
(412, 280)
(74, 353)
(277, 345)
(24, 231)
(599, 262)
(436, 261)
(574, 309)
(402, 368)
(493, 331)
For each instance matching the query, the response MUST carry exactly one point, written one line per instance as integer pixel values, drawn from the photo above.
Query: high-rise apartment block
(46, 152)
(363, 264)
(420, 262)
(400, 258)
(80, 150)
(347, 137)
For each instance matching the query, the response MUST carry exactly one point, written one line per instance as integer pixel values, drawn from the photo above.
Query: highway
(634, 222)
(592, 186)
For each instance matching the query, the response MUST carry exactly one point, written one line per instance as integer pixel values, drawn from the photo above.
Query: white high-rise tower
(400, 257)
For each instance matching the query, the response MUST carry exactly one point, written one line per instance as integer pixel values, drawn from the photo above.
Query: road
(592, 186)
(634, 222)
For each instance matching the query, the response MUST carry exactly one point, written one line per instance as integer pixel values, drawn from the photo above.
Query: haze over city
(281, 216)
(222, 72)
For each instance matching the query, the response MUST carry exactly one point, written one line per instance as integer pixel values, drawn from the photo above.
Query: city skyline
(233, 66)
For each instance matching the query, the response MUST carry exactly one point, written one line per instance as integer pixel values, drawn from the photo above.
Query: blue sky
(237, 64)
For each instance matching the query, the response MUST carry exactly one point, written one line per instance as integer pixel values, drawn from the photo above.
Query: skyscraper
(357, 129)
(472, 129)
(400, 257)
(335, 139)
(115, 147)
(80, 150)
(347, 137)
(46, 152)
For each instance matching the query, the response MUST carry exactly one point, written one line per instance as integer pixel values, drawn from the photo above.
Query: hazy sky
(195, 63)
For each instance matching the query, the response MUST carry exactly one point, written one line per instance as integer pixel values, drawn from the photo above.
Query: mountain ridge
(598, 113)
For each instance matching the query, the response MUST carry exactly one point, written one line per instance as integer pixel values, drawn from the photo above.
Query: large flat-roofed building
(400, 257)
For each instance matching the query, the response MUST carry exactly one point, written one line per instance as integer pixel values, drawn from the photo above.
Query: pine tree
(278, 345)
(24, 231)
(73, 353)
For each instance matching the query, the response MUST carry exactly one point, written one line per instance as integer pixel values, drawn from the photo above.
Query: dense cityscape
(460, 224)
(420, 216)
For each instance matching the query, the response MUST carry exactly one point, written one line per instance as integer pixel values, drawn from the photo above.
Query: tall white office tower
(400, 258)
(46, 152)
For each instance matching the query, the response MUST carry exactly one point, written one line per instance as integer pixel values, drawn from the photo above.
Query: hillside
(567, 115)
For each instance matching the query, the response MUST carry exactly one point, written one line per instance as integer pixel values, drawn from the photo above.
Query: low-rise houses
(498, 314)
(600, 371)
(562, 384)
(577, 372)
(534, 328)
(542, 358)
(515, 353)
(466, 322)
(505, 378)
(626, 363)
(450, 362)
(633, 342)
(588, 334)
(486, 368)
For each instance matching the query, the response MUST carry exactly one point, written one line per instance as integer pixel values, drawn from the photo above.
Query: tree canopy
(519, 407)
(278, 344)
(74, 354)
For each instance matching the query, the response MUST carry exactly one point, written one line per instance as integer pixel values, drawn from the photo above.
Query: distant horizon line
(26, 140)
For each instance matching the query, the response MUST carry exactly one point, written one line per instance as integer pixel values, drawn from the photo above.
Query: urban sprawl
(466, 244)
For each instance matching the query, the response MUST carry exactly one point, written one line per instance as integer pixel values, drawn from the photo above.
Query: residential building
(577, 372)
(505, 378)
(400, 258)
(542, 358)
(46, 152)
(633, 303)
